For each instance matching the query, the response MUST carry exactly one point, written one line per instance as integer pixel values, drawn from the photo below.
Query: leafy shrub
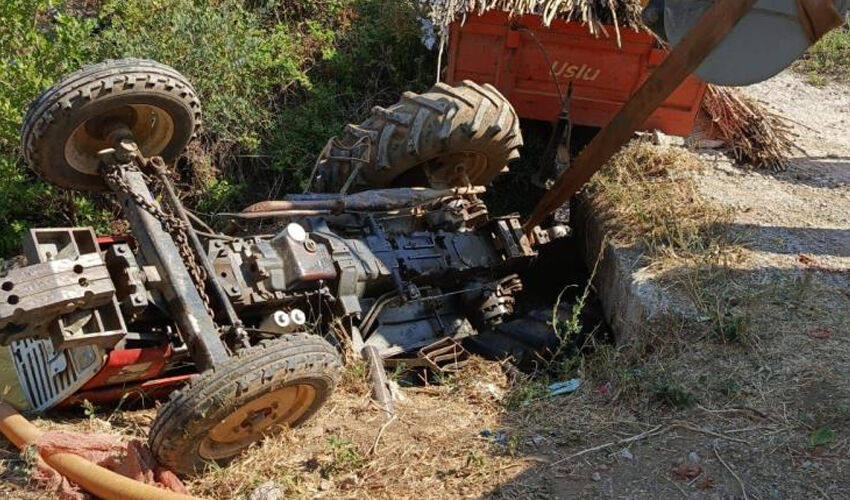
(38, 43)
(672, 393)
(276, 79)
(237, 66)
(378, 56)
(830, 57)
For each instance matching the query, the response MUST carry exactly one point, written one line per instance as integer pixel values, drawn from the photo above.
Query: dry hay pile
(595, 14)
(752, 133)
(648, 195)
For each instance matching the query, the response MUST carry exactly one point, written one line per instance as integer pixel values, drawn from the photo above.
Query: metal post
(378, 376)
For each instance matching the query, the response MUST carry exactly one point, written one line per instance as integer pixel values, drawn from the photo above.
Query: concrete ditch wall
(634, 303)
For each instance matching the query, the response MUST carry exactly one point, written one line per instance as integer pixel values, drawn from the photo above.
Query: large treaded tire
(181, 426)
(420, 140)
(98, 89)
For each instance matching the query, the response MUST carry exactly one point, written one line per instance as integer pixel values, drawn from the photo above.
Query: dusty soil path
(804, 211)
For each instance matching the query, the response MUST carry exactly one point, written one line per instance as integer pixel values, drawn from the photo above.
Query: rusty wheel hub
(457, 169)
(152, 129)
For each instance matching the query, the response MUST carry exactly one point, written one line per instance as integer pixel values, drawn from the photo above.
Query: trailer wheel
(257, 392)
(66, 126)
(448, 136)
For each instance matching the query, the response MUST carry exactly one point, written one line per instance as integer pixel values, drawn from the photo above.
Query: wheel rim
(457, 169)
(152, 128)
(255, 419)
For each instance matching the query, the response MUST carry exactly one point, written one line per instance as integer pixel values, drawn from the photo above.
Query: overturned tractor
(252, 323)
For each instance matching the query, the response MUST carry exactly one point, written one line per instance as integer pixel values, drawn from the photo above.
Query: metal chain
(113, 173)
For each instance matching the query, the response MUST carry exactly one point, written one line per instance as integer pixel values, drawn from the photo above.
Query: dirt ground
(765, 353)
(759, 410)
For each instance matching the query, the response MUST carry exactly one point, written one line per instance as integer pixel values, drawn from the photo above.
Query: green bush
(377, 58)
(39, 42)
(276, 79)
(829, 58)
(237, 65)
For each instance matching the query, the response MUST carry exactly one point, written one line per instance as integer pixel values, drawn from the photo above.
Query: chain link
(114, 174)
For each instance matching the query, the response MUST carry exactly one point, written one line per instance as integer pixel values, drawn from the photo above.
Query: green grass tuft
(829, 59)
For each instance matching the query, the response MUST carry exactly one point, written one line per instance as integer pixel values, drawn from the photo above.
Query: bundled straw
(595, 14)
(753, 134)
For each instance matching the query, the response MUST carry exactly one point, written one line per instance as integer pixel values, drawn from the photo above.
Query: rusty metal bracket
(159, 249)
(818, 17)
(446, 355)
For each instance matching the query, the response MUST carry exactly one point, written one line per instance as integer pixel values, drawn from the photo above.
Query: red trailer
(493, 48)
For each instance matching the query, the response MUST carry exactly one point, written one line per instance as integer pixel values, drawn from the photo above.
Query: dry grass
(748, 339)
(648, 197)
(762, 355)
(432, 448)
(595, 14)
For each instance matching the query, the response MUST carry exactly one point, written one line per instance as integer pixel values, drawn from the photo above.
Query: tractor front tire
(260, 391)
(68, 125)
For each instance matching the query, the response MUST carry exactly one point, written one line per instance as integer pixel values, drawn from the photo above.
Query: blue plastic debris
(500, 438)
(560, 388)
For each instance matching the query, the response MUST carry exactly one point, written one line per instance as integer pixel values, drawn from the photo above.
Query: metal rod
(200, 222)
(697, 45)
(200, 251)
(378, 376)
(377, 199)
(274, 214)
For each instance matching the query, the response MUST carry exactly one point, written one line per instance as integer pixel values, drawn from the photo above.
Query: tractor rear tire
(448, 136)
(66, 126)
(260, 391)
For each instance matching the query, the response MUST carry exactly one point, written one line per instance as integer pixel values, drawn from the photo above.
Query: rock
(325, 485)
(349, 482)
(596, 476)
(693, 457)
(625, 453)
(490, 389)
(269, 490)
(662, 139)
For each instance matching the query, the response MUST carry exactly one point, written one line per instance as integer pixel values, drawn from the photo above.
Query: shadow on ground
(750, 397)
